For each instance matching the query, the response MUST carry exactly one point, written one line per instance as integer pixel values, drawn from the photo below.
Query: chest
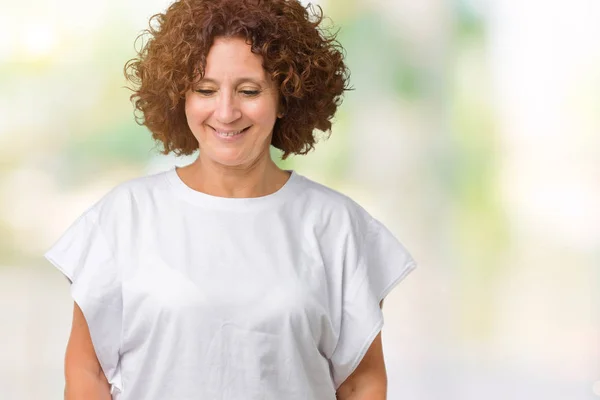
(257, 273)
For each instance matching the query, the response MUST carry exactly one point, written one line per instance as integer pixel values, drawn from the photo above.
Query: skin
(369, 379)
(84, 378)
(235, 93)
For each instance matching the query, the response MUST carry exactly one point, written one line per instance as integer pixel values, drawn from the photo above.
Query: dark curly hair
(303, 59)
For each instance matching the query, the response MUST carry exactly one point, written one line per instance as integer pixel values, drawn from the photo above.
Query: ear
(282, 107)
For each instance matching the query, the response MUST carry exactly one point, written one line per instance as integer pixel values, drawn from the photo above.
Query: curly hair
(305, 61)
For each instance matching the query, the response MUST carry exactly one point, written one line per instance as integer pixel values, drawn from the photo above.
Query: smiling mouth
(229, 133)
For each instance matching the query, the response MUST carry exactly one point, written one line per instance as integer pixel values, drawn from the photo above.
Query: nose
(227, 109)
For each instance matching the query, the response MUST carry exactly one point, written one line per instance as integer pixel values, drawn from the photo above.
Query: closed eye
(250, 93)
(246, 93)
(205, 92)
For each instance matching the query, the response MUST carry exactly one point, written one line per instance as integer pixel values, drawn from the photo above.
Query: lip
(232, 138)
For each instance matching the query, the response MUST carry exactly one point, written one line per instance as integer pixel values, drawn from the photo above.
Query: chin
(228, 160)
(230, 163)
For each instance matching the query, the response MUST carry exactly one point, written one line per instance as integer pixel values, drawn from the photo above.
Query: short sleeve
(382, 263)
(84, 256)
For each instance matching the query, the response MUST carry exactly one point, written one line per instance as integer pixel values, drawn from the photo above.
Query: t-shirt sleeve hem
(408, 268)
(84, 257)
(79, 297)
(361, 354)
(377, 326)
(59, 265)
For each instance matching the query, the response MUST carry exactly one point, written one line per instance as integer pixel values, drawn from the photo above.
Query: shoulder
(129, 197)
(332, 206)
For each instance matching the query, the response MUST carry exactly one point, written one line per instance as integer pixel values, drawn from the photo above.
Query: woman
(230, 278)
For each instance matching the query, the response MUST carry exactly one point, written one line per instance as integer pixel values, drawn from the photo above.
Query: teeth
(228, 134)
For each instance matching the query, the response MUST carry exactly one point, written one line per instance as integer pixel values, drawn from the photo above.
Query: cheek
(196, 110)
(263, 113)
(189, 111)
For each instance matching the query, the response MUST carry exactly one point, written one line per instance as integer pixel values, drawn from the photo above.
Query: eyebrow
(238, 81)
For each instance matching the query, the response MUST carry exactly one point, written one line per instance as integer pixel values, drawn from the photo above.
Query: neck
(259, 179)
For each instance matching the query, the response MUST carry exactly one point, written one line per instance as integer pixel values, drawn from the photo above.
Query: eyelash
(247, 93)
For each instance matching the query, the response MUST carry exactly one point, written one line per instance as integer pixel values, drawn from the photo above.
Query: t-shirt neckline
(232, 203)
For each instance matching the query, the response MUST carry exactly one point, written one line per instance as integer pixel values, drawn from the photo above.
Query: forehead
(232, 58)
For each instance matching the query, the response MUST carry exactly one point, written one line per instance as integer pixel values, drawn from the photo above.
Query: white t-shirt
(192, 296)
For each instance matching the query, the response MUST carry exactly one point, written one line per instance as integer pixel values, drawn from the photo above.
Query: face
(233, 109)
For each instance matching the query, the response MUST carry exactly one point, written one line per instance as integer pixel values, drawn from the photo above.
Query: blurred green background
(473, 132)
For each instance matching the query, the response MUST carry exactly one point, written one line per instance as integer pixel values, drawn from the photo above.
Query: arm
(369, 380)
(84, 377)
